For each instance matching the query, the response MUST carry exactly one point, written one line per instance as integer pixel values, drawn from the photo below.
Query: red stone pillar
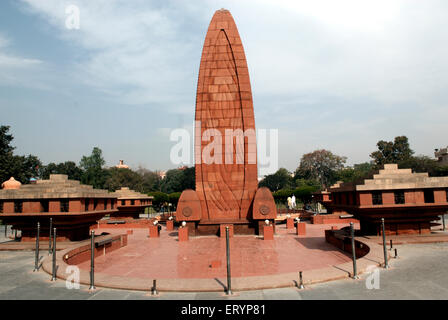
(289, 223)
(183, 234)
(169, 225)
(154, 231)
(268, 232)
(301, 228)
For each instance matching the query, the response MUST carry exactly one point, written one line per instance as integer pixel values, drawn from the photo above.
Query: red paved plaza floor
(167, 258)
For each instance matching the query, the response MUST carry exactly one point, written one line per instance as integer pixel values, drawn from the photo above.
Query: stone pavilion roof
(126, 193)
(392, 178)
(58, 186)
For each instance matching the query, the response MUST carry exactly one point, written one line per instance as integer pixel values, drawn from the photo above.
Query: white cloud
(15, 69)
(134, 51)
(9, 60)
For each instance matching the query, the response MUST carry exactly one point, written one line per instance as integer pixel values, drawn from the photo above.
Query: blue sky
(338, 75)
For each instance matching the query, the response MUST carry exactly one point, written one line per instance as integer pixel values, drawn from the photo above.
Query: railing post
(36, 258)
(301, 280)
(49, 237)
(352, 236)
(154, 288)
(92, 260)
(53, 276)
(386, 264)
(229, 284)
(443, 221)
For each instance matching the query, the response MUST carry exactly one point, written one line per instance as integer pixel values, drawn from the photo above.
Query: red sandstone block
(169, 225)
(153, 231)
(409, 197)
(440, 196)
(268, 232)
(289, 223)
(54, 206)
(301, 228)
(419, 197)
(130, 232)
(8, 207)
(215, 264)
(183, 234)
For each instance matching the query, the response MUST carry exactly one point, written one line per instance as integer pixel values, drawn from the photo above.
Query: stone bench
(103, 242)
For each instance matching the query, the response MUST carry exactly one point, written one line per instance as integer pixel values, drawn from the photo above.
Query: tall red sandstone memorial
(225, 144)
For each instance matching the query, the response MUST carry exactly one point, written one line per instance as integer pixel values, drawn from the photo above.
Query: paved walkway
(418, 273)
(205, 257)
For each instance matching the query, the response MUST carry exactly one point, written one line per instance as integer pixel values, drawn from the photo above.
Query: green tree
(5, 141)
(173, 198)
(303, 194)
(189, 178)
(150, 180)
(68, 167)
(123, 177)
(356, 173)
(177, 180)
(320, 165)
(6, 153)
(392, 151)
(440, 171)
(94, 174)
(279, 180)
(22, 168)
(160, 198)
(173, 181)
(419, 164)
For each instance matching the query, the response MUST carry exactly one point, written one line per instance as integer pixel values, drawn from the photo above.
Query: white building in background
(121, 165)
(442, 155)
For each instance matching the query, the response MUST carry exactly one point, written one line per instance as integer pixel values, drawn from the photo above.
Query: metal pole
(36, 259)
(443, 221)
(396, 253)
(386, 265)
(301, 280)
(229, 284)
(352, 235)
(6, 230)
(49, 238)
(391, 244)
(92, 260)
(53, 276)
(154, 287)
(15, 234)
